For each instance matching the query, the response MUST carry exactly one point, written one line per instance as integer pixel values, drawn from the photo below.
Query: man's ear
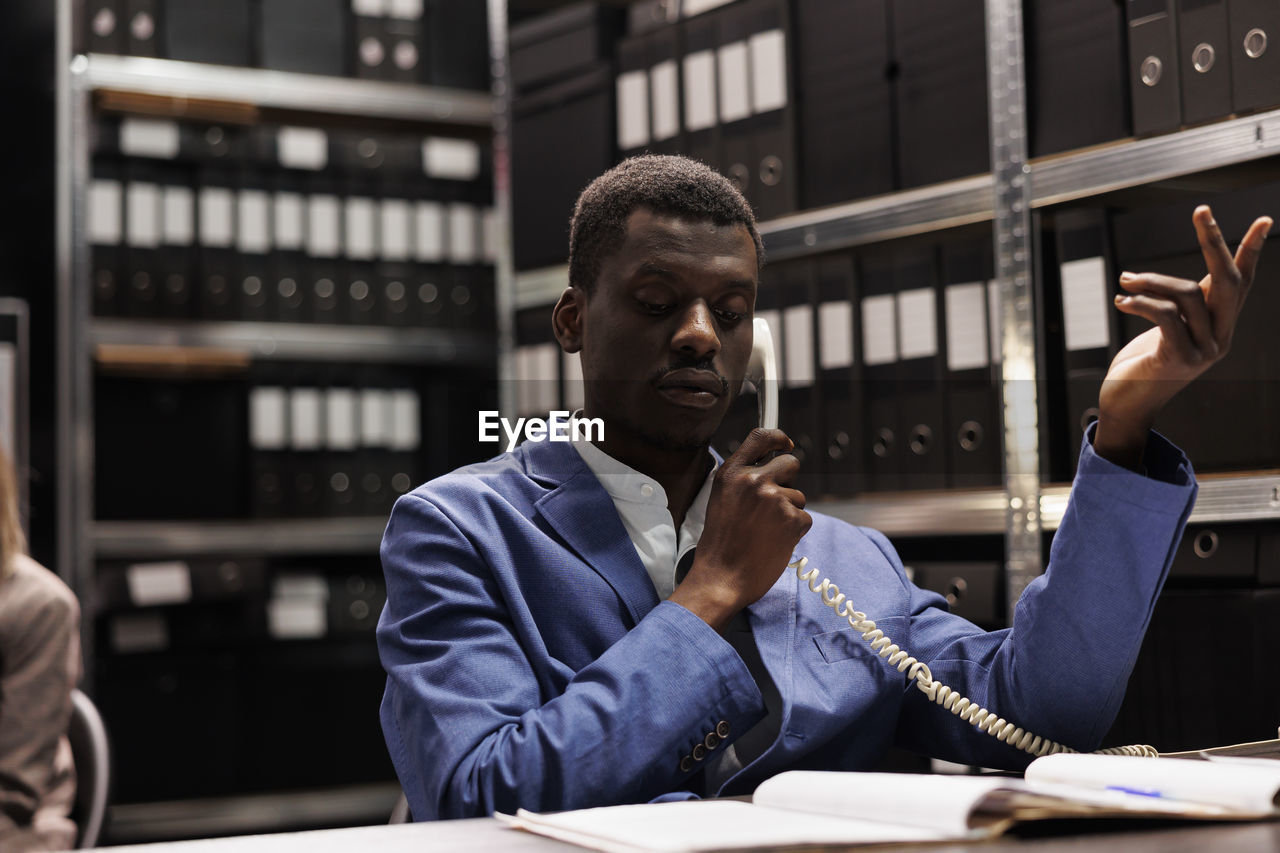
(567, 319)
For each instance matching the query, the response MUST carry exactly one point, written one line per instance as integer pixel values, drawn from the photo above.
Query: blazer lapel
(582, 513)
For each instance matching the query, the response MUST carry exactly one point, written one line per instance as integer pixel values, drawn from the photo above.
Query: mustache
(705, 365)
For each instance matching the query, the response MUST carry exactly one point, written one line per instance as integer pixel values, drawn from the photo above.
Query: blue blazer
(530, 663)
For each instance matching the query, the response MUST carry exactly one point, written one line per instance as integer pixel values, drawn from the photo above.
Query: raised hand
(1194, 324)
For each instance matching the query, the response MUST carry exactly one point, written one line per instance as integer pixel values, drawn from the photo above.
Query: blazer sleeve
(1061, 670)
(472, 729)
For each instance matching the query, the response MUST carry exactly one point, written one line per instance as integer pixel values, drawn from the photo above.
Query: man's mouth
(692, 387)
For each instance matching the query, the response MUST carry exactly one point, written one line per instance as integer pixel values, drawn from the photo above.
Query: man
(553, 640)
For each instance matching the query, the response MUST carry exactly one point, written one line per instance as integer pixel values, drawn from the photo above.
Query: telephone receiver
(762, 373)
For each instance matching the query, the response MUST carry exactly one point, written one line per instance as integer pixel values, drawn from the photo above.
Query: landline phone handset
(762, 372)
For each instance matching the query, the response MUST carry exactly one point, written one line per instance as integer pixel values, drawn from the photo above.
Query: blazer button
(686, 764)
(722, 729)
(711, 741)
(699, 752)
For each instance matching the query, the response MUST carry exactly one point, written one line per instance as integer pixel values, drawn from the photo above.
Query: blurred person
(39, 667)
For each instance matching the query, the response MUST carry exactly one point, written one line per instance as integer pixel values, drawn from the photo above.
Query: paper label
(268, 418)
(340, 419)
(633, 110)
(995, 320)
(132, 633)
(254, 224)
(967, 344)
(451, 159)
(689, 8)
(405, 10)
(397, 229)
(324, 226)
(917, 323)
(700, 90)
(289, 213)
(152, 584)
(149, 138)
(797, 340)
(405, 420)
(1085, 306)
(142, 217)
(879, 330)
(463, 236)
(179, 223)
(664, 88)
(103, 213)
(305, 425)
(297, 618)
(361, 231)
(768, 71)
(369, 8)
(302, 148)
(735, 100)
(835, 335)
(374, 417)
(217, 217)
(429, 247)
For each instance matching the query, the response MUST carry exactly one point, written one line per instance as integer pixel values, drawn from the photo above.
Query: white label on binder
(489, 236)
(152, 584)
(179, 223)
(700, 90)
(374, 428)
(574, 386)
(633, 109)
(144, 137)
(405, 10)
(397, 229)
(967, 344)
(546, 358)
(664, 92)
(369, 8)
(735, 100)
(405, 419)
(305, 428)
(1085, 307)
(689, 8)
(298, 607)
(217, 217)
(463, 236)
(340, 417)
(254, 223)
(429, 246)
(994, 320)
(768, 71)
(835, 335)
(104, 213)
(879, 330)
(324, 226)
(268, 417)
(451, 159)
(290, 211)
(361, 231)
(797, 338)
(303, 148)
(142, 216)
(917, 323)
(139, 632)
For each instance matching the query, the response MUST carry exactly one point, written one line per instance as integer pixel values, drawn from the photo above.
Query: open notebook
(815, 808)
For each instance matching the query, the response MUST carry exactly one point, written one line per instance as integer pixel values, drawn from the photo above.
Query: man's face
(666, 334)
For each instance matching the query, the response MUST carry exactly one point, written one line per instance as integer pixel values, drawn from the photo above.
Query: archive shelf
(310, 536)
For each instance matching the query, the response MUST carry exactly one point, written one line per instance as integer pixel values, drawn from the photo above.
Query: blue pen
(1140, 792)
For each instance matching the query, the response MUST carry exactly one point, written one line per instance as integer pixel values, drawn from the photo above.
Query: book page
(708, 825)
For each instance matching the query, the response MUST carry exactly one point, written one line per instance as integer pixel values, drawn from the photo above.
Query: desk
(486, 834)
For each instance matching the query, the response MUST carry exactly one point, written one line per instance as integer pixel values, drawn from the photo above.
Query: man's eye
(727, 316)
(655, 307)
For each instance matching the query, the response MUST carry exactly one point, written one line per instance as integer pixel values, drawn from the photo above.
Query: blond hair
(12, 540)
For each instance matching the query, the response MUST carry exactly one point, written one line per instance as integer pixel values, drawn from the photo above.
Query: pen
(1140, 792)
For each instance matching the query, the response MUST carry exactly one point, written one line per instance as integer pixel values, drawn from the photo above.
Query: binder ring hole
(740, 176)
(970, 436)
(1152, 70)
(883, 444)
(104, 23)
(771, 171)
(1090, 415)
(1205, 544)
(921, 440)
(1255, 43)
(371, 52)
(1202, 57)
(956, 590)
(143, 27)
(838, 446)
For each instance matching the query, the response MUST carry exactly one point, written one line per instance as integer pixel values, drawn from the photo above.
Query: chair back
(89, 748)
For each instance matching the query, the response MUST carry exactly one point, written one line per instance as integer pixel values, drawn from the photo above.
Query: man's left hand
(1194, 323)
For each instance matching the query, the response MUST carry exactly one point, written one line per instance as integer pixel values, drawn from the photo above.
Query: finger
(1163, 313)
(1187, 295)
(760, 443)
(781, 469)
(1225, 285)
(795, 497)
(1251, 249)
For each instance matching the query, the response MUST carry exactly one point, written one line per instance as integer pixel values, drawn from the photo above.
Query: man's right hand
(754, 522)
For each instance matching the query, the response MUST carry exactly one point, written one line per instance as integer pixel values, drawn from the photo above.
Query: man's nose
(697, 334)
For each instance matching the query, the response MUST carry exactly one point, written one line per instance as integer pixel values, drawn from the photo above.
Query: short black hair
(669, 185)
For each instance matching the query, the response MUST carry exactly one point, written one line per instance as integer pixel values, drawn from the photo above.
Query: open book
(816, 808)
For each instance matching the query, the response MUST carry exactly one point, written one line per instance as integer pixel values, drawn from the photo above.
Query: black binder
(1255, 58)
(1203, 49)
(303, 35)
(105, 24)
(268, 450)
(772, 166)
(342, 441)
(369, 40)
(288, 258)
(700, 89)
(200, 31)
(841, 439)
(883, 444)
(458, 52)
(844, 102)
(143, 233)
(556, 45)
(941, 92)
(105, 225)
(972, 430)
(216, 213)
(403, 35)
(254, 244)
(922, 402)
(326, 276)
(733, 97)
(142, 26)
(665, 105)
(1153, 66)
(1076, 74)
(799, 398)
(177, 279)
(633, 92)
(306, 489)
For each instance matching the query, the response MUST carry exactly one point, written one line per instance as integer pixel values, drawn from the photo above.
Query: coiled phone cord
(937, 692)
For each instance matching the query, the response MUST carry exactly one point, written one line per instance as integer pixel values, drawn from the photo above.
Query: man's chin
(679, 434)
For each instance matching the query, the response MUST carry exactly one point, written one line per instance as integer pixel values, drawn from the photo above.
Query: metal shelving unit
(306, 536)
